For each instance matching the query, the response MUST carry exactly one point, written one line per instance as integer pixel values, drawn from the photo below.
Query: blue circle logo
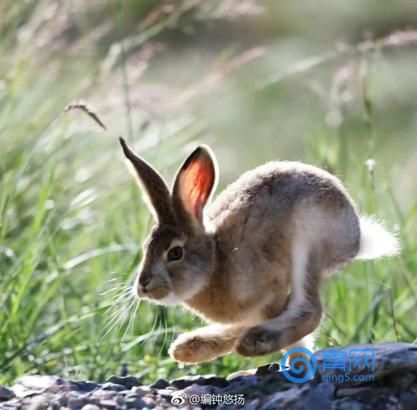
(301, 368)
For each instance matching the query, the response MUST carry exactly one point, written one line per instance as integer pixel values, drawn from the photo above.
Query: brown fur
(252, 261)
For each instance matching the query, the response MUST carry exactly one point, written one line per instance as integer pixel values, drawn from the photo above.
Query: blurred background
(327, 82)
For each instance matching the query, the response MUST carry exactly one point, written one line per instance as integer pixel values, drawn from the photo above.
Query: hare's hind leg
(301, 317)
(276, 334)
(204, 344)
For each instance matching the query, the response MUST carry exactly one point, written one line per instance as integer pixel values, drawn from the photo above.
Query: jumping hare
(250, 263)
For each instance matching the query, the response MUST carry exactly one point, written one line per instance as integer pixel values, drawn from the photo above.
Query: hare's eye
(175, 253)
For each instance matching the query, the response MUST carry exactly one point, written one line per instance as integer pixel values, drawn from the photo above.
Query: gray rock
(247, 380)
(253, 405)
(134, 402)
(6, 393)
(100, 394)
(196, 389)
(160, 384)
(267, 369)
(186, 381)
(347, 404)
(39, 382)
(32, 385)
(166, 392)
(83, 386)
(61, 400)
(113, 387)
(108, 404)
(90, 407)
(37, 403)
(141, 390)
(127, 381)
(75, 402)
(214, 381)
(285, 399)
(181, 384)
(10, 406)
(408, 401)
(320, 397)
(400, 381)
(149, 402)
(353, 391)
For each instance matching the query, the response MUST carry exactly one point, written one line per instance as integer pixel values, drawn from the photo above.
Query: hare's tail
(376, 240)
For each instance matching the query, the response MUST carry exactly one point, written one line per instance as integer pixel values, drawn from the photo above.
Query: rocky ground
(357, 377)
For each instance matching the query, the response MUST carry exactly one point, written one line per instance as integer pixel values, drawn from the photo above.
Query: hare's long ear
(193, 186)
(153, 185)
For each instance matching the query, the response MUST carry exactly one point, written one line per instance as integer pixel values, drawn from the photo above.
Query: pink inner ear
(196, 186)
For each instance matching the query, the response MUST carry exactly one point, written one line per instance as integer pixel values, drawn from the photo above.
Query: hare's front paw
(188, 349)
(259, 341)
(194, 348)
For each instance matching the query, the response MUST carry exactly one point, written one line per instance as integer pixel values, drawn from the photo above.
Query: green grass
(72, 220)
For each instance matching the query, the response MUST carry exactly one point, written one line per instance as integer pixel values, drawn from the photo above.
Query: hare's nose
(144, 280)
